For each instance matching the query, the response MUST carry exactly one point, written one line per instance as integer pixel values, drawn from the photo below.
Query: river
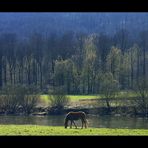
(93, 121)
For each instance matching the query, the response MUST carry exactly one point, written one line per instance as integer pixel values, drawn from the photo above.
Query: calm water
(94, 121)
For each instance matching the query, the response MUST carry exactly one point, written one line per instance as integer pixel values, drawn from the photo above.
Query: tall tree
(114, 61)
(144, 46)
(1, 68)
(89, 64)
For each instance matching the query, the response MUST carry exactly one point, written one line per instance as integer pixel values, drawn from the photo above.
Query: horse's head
(66, 125)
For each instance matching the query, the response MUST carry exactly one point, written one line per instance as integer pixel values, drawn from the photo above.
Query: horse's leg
(71, 124)
(82, 122)
(74, 124)
(85, 123)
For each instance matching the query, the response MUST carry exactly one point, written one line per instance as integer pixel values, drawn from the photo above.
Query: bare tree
(109, 89)
(142, 91)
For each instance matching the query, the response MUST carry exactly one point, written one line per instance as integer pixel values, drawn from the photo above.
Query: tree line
(76, 62)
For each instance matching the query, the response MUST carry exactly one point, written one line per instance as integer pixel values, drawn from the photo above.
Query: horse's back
(76, 115)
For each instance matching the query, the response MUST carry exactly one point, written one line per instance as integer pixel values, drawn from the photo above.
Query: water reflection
(94, 121)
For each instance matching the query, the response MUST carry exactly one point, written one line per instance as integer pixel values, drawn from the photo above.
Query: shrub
(9, 100)
(12, 98)
(58, 100)
(29, 98)
(141, 103)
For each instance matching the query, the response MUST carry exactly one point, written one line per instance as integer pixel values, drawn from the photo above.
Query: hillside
(25, 23)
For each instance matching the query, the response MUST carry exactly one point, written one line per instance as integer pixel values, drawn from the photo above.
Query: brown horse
(71, 116)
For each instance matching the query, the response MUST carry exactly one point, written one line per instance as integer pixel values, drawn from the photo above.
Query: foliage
(75, 61)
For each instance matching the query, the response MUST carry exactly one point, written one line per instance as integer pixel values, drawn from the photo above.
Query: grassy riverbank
(92, 100)
(74, 97)
(122, 94)
(58, 130)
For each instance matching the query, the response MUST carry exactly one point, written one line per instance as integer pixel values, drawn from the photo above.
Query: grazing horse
(71, 116)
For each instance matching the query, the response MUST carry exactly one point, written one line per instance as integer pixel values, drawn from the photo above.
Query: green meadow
(35, 130)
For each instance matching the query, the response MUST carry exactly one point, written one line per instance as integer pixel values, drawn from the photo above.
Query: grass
(89, 98)
(44, 98)
(81, 97)
(73, 97)
(35, 130)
